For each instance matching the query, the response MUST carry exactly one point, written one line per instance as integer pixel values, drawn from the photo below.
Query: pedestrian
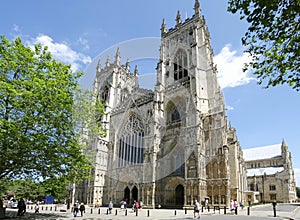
(36, 208)
(97, 204)
(122, 204)
(231, 207)
(196, 209)
(76, 208)
(21, 207)
(82, 209)
(110, 206)
(242, 204)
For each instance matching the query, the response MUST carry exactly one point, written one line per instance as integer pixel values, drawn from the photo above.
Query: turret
(107, 63)
(197, 8)
(118, 57)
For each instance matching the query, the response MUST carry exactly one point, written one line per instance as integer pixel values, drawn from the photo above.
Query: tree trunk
(2, 212)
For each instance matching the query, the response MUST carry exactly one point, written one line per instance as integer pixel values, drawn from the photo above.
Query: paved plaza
(284, 211)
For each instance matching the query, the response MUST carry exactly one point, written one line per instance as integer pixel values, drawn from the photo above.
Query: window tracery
(131, 143)
(180, 65)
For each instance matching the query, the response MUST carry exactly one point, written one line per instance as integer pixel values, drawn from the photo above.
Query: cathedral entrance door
(134, 193)
(127, 194)
(179, 195)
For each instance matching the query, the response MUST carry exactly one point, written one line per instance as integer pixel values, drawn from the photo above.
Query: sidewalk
(60, 212)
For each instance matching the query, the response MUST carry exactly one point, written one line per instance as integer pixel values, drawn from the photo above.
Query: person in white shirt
(196, 209)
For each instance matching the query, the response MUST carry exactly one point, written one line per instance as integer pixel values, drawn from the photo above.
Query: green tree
(272, 39)
(38, 139)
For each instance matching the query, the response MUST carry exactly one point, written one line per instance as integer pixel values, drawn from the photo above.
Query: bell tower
(186, 57)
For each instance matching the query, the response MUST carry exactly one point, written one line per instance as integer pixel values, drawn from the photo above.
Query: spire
(197, 8)
(178, 18)
(99, 66)
(118, 57)
(127, 66)
(163, 27)
(136, 71)
(107, 63)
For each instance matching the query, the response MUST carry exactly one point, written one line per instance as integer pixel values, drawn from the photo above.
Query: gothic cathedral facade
(174, 144)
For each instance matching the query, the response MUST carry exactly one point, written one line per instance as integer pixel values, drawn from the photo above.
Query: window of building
(105, 94)
(272, 196)
(180, 65)
(251, 187)
(272, 187)
(175, 116)
(131, 143)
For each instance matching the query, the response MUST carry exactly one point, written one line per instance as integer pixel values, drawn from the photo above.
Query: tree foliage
(272, 39)
(38, 138)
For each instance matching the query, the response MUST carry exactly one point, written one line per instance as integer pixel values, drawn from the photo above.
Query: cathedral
(171, 145)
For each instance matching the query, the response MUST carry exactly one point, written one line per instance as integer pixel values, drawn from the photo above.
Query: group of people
(123, 205)
(78, 207)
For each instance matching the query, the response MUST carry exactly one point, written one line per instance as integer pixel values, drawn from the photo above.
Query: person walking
(82, 209)
(36, 208)
(21, 207)
(196, 209)
(110, 206)
(76, 208)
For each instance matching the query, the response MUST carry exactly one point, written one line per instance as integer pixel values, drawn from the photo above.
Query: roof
(264, 152)
(261, 171)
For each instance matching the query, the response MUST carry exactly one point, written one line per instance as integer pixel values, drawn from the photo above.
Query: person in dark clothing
(82, 209)
(21, 207)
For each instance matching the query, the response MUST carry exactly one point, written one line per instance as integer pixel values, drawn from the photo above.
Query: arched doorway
(134, 193)
(179, 195)
(127, 194)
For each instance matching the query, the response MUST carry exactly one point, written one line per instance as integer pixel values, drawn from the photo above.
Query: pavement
(56, 212)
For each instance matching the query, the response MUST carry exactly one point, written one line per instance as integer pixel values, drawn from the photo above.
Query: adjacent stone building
(270, 174)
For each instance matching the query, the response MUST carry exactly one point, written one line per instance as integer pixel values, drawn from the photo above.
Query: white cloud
(16, 28)
(230, 68)
(228, 107)
(62, 52)
(84, 42)
(297, 176)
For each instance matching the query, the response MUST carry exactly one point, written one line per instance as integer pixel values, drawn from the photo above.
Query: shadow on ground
(28, 215)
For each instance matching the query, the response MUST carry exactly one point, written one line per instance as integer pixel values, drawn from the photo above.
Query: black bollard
(274, 209)
(214, 210)
(107, 212)
(208, 208)
(99, 211)
(55, 208)
(42, 207)
(91, 210)
(235, 210)
(175, 212)
(31, 207)
(248, 210)
(136, 212)
(148, 213)
(51, 208)
(202, 208)
(46, 208)
(116, 211)
(224, 210)
(185, 211)
(126, 212)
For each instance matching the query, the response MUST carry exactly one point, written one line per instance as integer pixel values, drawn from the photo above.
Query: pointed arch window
(131, 144)
(180, 65)
(105, 94)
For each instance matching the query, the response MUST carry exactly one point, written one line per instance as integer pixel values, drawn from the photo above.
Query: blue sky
(79, 32)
